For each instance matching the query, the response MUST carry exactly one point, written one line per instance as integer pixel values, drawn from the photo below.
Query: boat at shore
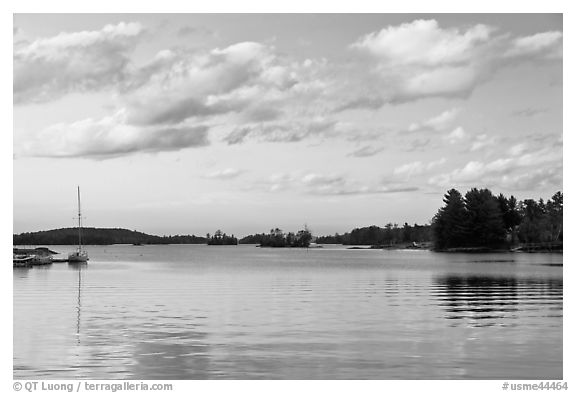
(22, 260)
(79, 255)
(31, 257)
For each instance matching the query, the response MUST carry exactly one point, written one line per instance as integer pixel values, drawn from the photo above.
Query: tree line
(100, 236)
(278, 238)
(391, 234)
(221, 239)
(480, 219)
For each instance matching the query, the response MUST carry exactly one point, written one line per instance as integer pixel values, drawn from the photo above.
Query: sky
(189, 123)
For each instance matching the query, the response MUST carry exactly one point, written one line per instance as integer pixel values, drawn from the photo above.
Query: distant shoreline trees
(100, 236)
(391, 234)
(277, 238)
(221, 239)
(477, 220)
(484, 221)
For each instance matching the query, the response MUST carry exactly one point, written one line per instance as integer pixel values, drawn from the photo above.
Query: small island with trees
(278, 238)
(221, 239)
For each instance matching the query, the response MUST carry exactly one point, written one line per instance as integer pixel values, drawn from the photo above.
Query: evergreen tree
(449, 224)
(485, 226)
(554, 209)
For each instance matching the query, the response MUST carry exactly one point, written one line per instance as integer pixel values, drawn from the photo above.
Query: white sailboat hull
(77, 256)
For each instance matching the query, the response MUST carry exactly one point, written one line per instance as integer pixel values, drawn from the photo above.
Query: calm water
(201, 312)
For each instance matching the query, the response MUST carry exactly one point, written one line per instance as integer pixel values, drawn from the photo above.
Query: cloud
(423, 42)
(482, 141)
(367, 151)
(366, 101)
(437, 123)
(512, 171)
(529, 112)
(237, 136)
(187, 31)
(176, 86)
(365, 190)
(320, 180)
(224, 174)
(285, 131)
(545, 45)
(331, 184)
(417, 168)
(111, 137)
(422, 59)
(280, 181)
(252, 92)
(532, 143)
(457, 135)
(518, 149)
(550, 177)
(419, 144)
(336, 184)
(49, 68)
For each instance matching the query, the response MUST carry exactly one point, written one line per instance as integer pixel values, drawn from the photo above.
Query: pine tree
(485, 224)
(449, 224)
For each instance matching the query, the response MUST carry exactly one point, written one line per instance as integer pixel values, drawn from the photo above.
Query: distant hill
(100, 236)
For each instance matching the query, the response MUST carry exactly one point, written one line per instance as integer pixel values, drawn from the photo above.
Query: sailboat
(79, 255)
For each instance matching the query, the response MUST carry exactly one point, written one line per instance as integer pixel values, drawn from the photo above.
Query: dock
(24, 257)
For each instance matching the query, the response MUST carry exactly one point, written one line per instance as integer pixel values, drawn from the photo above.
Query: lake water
(225, 312)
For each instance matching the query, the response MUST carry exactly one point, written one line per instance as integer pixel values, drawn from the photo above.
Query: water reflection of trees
(489, 300)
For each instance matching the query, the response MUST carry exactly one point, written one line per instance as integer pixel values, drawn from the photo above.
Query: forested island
(100, 236)
(221, 239)
(278, 238)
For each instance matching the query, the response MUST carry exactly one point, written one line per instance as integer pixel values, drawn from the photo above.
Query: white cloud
(437, 123)
(267, 97)
(422, 59)
(538, 179)
(409, 169)
(223, 174)
(315, 179)
(364, 189)
(367, 151)
(284, 131)
(110, 137)
(441, 81)
(335, 184)
(417, 168)
(483, 141)
(174, 88)
(517, 149)
(423, 42)
(48, 68)
(275, 182)
(252, 92)
(547, 44)
(512, 171)
(529, 112)
(456, 135)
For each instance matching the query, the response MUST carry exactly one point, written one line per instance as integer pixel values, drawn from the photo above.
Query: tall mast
(79, 223)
